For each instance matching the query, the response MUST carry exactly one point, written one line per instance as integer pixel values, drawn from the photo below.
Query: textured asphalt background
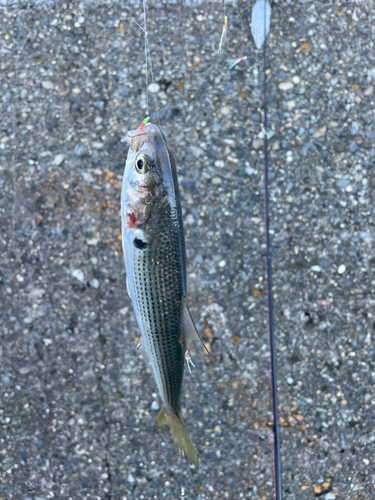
(77, 401)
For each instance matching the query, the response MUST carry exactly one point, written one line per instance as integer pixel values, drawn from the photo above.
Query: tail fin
(179, 433)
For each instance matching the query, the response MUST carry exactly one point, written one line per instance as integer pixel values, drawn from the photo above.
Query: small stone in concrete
(196, 151)
(341, 269)
(94, 283)
(342, 183)
(47, 84)
(131, 479)
(154, 88)
(58, 160)
(78, 275)
(225, 111)
(155, 406)
(92, 241)
(316, 269)
(330, 496)
(286, 85)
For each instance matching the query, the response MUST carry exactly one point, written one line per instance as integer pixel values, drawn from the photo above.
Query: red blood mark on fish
(132, 220)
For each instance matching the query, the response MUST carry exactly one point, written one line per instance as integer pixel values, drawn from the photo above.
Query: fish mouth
(136, 133)
(139, 137)
(136, 139)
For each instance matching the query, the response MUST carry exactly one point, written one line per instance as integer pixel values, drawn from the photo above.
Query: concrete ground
(78, 403)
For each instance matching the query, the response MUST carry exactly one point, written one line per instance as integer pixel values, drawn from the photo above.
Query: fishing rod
(271, 328)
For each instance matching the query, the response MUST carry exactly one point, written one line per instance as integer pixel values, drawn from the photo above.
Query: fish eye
(141, 164)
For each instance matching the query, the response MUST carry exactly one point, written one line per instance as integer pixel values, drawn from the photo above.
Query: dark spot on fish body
(141, 245)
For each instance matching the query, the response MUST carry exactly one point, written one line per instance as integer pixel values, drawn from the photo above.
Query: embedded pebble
(58, 159)
(153, 88)
(216, 181)
(316, 269)
(286, 85)
(225, 111)
(78, 275)
(47, 84)
(189, 219)
(341, 269)
(354, 128)
(92, 241)
(257, 143)
(80, 149)
(342, 183)
(155, 406)
(94, 283)
(131, 479)
(196, 151)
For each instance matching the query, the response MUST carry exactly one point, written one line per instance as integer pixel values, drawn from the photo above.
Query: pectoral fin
(188, 330)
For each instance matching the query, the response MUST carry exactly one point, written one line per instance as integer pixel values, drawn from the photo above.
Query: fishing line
(145, 31)
(148, 59)
(271, 331)
(223, 38)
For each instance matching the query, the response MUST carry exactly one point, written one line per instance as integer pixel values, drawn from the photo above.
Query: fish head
(149, 175)
(142, 182)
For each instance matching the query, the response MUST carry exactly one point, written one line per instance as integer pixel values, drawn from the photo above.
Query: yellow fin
(179, 433)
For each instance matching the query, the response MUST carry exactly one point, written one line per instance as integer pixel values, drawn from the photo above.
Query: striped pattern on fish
(155, 257)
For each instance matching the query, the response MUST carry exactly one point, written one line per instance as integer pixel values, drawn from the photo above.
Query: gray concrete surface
(77, 417)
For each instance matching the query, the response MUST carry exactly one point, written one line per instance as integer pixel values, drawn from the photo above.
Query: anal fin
(188, 330)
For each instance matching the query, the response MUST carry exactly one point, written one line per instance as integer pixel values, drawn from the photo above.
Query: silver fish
(155, 261)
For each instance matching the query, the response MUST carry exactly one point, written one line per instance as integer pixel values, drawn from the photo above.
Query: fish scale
(155, 285)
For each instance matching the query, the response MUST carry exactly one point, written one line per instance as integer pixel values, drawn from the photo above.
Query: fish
(155, 261)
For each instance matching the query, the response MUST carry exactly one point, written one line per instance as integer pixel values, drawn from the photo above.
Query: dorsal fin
(188, 330)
